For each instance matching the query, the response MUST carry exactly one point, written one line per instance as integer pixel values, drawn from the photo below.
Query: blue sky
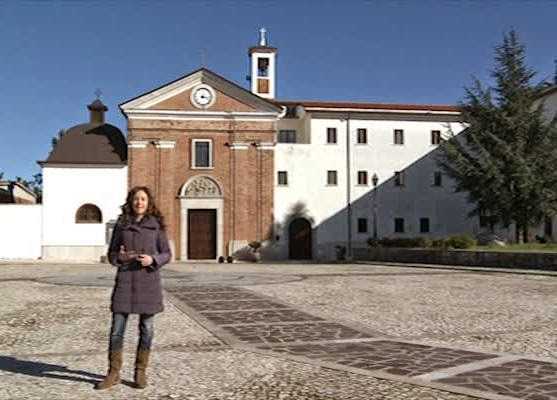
(54, 54)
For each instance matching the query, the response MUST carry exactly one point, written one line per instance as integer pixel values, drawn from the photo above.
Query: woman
(139, 248)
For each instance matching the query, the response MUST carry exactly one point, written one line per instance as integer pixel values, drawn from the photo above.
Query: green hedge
(460, 242)
(454, 242)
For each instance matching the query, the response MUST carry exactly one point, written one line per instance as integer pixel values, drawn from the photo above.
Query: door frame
(214, 221)
(187, 203)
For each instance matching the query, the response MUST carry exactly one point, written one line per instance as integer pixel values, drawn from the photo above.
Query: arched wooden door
(299, 239)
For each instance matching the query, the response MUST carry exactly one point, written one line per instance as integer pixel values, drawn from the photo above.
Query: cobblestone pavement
(245, 331)
(521, 378)
(396, 358)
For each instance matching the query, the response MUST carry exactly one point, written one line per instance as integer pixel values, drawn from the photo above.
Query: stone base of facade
(83, 253)
(77, 253)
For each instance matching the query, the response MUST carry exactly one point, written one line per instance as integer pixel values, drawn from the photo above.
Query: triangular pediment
(176, 96)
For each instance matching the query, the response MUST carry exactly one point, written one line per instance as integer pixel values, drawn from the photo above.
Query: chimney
(97, 109)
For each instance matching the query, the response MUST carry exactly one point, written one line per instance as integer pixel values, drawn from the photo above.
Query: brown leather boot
(141, 362)
(115, 358)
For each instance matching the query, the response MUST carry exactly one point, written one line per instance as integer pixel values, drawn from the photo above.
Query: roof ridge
(355, 104)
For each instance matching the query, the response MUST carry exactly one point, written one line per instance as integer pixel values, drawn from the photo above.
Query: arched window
(88, 214)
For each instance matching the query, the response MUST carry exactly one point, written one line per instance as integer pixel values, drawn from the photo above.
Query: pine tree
(506, 158)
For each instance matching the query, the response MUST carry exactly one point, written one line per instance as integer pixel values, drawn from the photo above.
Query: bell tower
(263, 72)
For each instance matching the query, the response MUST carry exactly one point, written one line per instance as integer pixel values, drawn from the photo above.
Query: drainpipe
(348, 191)
(232, 179)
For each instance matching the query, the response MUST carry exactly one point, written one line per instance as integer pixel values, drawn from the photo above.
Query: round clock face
(203, 96)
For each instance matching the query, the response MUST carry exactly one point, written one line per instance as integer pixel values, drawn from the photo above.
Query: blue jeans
(118, 329)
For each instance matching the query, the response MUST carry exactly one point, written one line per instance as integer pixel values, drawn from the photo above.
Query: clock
(202, 96)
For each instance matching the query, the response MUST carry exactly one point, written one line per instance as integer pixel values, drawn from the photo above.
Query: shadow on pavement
(43, 370)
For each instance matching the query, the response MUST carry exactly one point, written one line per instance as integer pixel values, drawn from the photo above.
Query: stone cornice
(137, 144)
(239, 145)
(165, 144)
(265, 146)
(202, 115)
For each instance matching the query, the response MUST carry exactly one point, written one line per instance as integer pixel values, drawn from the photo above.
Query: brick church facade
(205, 147)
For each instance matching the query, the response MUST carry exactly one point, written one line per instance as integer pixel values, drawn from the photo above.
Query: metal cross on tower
(262, 37)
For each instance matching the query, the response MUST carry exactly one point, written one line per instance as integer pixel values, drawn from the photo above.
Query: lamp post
(374, 181)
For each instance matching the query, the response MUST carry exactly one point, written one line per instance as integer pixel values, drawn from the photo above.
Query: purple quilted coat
(137, 289)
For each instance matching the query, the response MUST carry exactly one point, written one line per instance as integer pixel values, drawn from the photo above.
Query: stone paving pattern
(210, 296)
(391, 357)
(281, 333)
(395, 358)
(261, 316)
(54, 344)
(494, 312)
(232, 305)
(284, 326)
(526, 379)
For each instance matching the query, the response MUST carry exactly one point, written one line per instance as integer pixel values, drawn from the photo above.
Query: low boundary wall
(500, 259)
(20, 231)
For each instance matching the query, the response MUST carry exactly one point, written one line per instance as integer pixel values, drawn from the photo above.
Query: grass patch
(525, 247)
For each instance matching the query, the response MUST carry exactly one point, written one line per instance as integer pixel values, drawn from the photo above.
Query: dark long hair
(128, 214)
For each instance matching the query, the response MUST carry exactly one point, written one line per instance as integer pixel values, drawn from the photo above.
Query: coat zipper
(134, 242)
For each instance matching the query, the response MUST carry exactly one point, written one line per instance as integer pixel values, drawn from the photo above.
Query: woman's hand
(126, 256)
(145, 259)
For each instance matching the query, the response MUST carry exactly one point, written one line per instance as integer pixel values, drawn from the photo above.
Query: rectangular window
(287, 136)
(362, 225)
(424, 225)
(362, 177)
(331, 177)
(435, 137)
(399, 225)
(331, 135)
(282, 178)
(399, 136)
(262, 66)
(202, 153)
(399, 178)
(437, 178)
(362, 136)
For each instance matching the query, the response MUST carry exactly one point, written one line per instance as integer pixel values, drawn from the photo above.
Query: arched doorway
(299, 239)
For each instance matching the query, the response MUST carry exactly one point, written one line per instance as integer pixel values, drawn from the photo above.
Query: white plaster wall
(66, 189)
(20, 232)
(325, 206)
(418, 198)
(307, 166)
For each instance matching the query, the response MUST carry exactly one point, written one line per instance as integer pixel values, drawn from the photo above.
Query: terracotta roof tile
(368, 106)
(91, 143)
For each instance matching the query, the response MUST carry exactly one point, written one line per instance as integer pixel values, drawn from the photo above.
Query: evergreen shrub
(405, 242)
(454, 242)
(461, 241)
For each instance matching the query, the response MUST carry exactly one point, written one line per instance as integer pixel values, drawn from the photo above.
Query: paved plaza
(287, 331)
